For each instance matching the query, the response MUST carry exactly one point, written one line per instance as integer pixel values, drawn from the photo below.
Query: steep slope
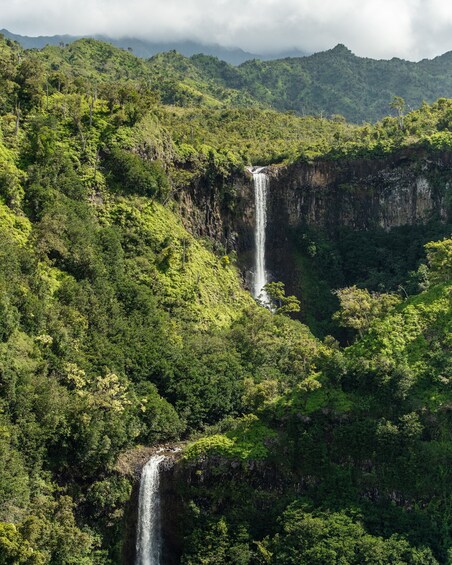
(113, 318)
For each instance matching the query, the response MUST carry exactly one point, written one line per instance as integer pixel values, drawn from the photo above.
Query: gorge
(375, 196)
(405, 188)
(329, 200)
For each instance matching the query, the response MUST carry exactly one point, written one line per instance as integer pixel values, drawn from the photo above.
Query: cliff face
(131, 465)
(409, 188)
(223, 211)
(403, 189)
(406, 188)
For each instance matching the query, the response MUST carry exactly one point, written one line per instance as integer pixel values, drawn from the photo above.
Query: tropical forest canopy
(119, 327)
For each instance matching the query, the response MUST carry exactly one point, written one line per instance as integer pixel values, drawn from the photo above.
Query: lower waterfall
(149, 537)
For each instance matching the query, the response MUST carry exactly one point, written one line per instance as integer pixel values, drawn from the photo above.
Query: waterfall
(260, 180)
(149, 539)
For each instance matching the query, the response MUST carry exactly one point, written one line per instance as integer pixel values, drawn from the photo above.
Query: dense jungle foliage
(326, 83)
(118, 328)
(336, 82)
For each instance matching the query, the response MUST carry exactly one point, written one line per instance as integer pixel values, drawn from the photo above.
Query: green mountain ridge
(338, 82)
(327, 83)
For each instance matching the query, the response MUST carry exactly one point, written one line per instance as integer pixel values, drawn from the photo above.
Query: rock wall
(223, 211)
(407, 187)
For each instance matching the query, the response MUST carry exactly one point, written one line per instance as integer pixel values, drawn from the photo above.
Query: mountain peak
(341, 49)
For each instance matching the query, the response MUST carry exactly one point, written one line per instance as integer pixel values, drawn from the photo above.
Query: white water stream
(149, 537)
(261, 181)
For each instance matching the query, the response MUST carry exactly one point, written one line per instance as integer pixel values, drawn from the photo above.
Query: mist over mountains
(148, 48)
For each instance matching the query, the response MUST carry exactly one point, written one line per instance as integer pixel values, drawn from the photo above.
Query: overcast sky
(412, 29)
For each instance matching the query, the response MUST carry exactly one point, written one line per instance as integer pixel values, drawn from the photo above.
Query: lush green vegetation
(362, 450)
(339, 82)
(118, 327)
(331, 83)
(376, 260)
(113, 317)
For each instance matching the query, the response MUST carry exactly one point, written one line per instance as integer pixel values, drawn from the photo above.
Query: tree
(359, 307)
(9, 317)
(131, 174)
(284, 304)
(439, 255)
(399, 104)
(14, 550)
(321, 537)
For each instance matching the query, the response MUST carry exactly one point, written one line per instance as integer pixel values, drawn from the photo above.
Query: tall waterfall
(260, 196)
(149, 538)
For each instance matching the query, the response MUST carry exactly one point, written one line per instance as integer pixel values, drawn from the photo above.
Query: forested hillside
(339, 82)
(335, 82)
(120, 328)
(326, 83)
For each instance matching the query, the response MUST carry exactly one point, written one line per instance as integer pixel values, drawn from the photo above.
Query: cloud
(411, 29)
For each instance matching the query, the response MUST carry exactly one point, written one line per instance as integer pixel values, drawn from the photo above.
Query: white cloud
(411, 29)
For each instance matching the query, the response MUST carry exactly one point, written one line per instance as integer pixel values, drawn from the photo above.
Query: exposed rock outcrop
(404, 188)
(407, 187)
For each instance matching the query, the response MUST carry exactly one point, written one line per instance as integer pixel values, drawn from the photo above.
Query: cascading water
(149, 538)
(260, 180)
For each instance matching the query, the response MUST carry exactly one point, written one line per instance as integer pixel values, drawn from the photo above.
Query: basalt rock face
(222, 210)
(405, 188)
(172, 511)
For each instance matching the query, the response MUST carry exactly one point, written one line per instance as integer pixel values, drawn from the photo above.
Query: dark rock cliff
(222, 210)
(405, 188)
